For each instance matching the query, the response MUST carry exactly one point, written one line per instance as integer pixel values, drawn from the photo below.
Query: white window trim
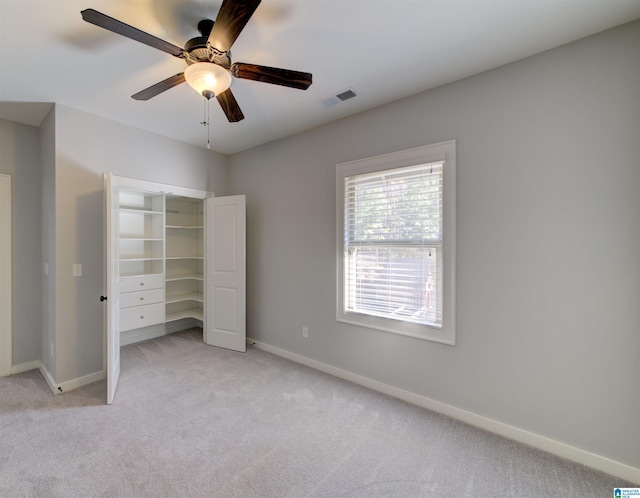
(444, 151)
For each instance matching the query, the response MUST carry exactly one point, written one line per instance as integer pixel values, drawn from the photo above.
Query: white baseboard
(25, 367)
(80, 381)
(154, 331)
(59, 388)
(603, 464)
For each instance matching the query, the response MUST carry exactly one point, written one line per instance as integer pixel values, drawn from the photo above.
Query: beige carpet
(194, 420)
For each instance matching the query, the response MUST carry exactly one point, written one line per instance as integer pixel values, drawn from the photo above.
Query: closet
(175, 256)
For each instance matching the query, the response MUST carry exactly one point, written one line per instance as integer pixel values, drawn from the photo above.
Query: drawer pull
(141, 317)
(142, 299)
(141, 283)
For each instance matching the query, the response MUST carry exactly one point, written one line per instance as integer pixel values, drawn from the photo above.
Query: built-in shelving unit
(140, 258)
(160, 258)
(184, 237)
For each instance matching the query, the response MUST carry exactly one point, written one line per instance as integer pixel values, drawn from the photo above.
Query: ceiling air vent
(343, 96)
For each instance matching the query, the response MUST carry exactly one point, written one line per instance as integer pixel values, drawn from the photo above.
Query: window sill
(434, 334)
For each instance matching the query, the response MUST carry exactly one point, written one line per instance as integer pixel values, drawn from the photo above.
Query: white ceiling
(384, 49)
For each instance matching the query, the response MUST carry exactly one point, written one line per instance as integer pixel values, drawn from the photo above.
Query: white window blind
(393, 244)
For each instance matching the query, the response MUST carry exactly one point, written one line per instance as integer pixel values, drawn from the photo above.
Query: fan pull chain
(208, 124)
(206, 116)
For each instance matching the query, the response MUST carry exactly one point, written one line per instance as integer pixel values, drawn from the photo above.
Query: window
(396, 242)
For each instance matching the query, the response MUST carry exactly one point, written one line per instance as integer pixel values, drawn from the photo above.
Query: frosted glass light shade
(207, 78)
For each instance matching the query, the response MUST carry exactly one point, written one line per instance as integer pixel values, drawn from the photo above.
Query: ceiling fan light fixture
(207, 78)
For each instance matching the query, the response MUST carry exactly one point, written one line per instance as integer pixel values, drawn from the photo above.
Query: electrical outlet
(305, 332)
(77, 270)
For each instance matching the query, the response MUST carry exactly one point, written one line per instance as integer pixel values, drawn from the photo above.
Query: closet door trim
(158, 188)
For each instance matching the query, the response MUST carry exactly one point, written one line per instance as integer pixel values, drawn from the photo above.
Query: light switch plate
(77, 270)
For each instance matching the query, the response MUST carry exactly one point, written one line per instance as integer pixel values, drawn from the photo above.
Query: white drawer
(132, 284)
(130, 299)
(141, 316)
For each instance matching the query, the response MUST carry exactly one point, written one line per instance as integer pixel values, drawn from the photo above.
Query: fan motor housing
(197, 50)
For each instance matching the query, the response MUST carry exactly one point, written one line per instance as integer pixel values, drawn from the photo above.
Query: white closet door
(111, 277)
(226, 275)
(5, 276)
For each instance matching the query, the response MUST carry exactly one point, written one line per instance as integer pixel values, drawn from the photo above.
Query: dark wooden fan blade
(106, 22)
(230, 106)
(160, 87)
(232, 18)
(274, 75)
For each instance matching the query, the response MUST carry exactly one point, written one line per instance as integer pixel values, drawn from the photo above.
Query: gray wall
(20, 159)
(547, 236)
(85, 147)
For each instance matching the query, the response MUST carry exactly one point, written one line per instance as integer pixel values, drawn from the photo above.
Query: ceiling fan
(208, 57)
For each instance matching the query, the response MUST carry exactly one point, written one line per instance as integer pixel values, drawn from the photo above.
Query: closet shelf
(179, 315)
(137, 238)
(190, 276)
(139, 211)
(187, 296)
(183, 227)
(184, 257)
(140, 259)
